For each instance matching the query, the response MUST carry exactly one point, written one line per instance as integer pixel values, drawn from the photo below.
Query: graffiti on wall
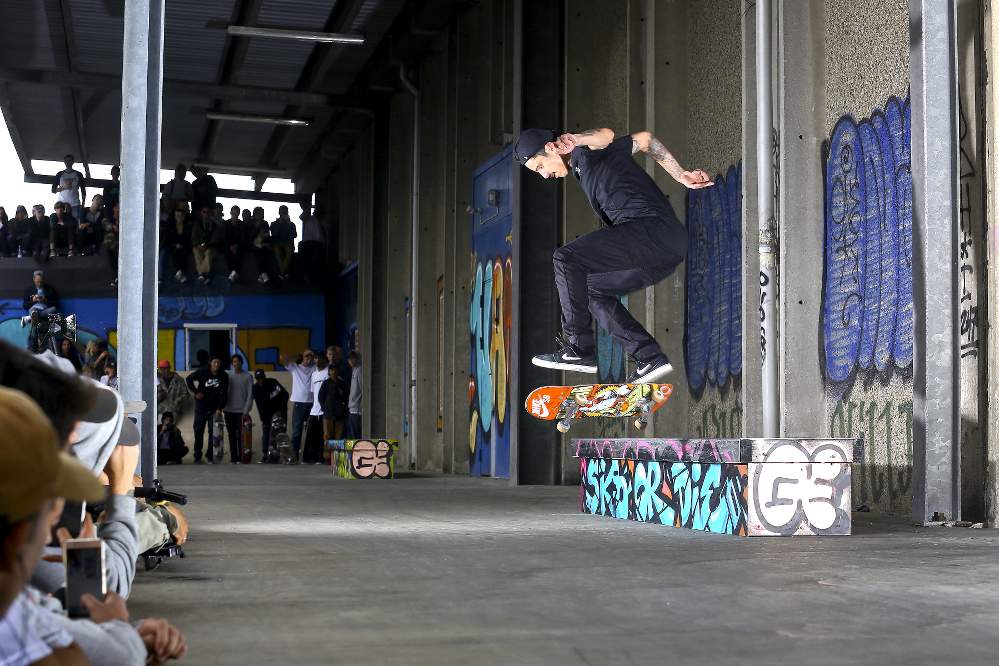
(705, 497)
(867, 287)
(712, 340)
(363, 458)
(866, 322)
(265, 324)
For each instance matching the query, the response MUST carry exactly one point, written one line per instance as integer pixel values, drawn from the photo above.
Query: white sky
(14, 191)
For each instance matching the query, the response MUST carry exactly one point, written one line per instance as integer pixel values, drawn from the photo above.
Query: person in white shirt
(69, 187)
(301, 393)
(314, 429)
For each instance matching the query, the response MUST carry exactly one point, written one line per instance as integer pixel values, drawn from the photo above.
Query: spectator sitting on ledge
(19, 234)
(62, 230)
(40, 230)
(91, 225)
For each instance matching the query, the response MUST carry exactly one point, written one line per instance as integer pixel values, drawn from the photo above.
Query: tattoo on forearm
(665, 158)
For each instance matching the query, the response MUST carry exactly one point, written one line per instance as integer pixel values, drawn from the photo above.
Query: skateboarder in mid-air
(641, 245)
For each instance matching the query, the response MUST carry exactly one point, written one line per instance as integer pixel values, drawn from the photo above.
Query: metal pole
(414, 284)
(137, 290)
(767, 221)
(936, 423)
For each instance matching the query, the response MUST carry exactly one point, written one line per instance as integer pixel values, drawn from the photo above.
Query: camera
(50, 328)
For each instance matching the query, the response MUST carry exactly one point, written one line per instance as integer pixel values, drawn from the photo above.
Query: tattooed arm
(648, 143)
(594, 139)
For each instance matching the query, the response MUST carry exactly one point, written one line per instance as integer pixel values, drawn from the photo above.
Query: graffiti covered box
(745, 487)
(363, 458)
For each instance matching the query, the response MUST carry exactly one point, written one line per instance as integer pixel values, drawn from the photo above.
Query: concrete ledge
(362, 458)
(748, 487)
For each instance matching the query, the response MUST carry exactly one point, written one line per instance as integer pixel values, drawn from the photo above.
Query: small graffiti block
(747, 487)
(363, 458)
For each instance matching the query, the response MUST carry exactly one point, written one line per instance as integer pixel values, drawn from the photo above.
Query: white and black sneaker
(650, 371)
(568, 357)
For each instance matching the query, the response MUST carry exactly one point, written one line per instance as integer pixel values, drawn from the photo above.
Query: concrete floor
(288, 566)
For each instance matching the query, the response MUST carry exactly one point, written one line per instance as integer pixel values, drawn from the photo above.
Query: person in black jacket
(170, 446)
(271, 399)
(210, 387)
(19, 233)
(333, 398)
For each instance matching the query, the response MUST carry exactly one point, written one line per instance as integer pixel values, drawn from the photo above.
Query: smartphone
(72, 519)
(84, 561)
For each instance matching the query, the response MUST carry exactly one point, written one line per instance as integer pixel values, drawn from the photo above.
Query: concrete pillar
(752, 366)
(142, 91)
(801, 95)
(935, 150)
(991, 457)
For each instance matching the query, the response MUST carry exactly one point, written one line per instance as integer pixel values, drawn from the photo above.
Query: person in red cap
(171, 391)
(642, 243)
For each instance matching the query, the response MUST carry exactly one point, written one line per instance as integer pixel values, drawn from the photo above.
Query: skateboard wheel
(640, 424)
(562, 426)
(658, 395)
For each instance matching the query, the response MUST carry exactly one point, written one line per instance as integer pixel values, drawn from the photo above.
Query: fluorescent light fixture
(251, 118)
(300, 35)
(232, 168)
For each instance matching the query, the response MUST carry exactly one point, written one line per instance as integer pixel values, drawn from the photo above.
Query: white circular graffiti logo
(792, 486)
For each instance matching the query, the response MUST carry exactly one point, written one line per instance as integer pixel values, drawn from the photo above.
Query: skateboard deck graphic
(564, 403)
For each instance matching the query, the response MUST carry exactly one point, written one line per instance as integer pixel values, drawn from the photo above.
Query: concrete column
(991, 162)
(801, 94)
(752, 365)
(936, 385)
(142, 88)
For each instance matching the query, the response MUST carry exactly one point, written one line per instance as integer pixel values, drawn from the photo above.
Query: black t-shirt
(205, 192)
(270, 396)
(616, 186)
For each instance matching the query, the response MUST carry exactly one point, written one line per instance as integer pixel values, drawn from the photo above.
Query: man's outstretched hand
(563, 145)
(695, 179)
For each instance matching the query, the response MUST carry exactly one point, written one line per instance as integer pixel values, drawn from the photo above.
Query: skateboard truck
(572, 406)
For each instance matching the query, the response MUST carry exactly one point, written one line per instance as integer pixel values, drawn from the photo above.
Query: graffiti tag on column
(867, 286)
(886, 426)
(969, 299)
(713, 323)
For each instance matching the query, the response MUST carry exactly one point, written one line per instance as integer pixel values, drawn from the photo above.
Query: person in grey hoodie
(237, 406)
(354, 401)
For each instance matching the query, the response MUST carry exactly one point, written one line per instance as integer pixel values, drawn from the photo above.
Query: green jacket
(172, 396)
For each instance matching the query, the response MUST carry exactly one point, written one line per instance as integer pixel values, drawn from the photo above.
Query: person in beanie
(271, 399)
(210, 387)
(642, 243)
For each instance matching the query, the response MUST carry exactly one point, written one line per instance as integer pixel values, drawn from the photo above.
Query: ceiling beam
(66, 16)
(320, 60)
(100, 183)
(87, 81)
(15, 136)
(246, 13)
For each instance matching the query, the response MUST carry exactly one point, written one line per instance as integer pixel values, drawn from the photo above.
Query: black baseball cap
(259, 373)
(531, 142)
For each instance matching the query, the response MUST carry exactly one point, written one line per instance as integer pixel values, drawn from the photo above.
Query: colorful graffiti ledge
(363, 458)
(742, 487)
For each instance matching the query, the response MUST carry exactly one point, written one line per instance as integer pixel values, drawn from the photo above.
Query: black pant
(353, 426)
(62, 237)
(595, 270)
(201, 420)
(234, 426)
(265, 433)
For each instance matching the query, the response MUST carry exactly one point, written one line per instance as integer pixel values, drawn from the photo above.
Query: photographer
(170, 444)
(40, 299)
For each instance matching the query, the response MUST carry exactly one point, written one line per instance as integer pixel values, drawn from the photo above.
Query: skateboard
(247, 441)
(218, 438)
(281, 451)
(564, 403)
